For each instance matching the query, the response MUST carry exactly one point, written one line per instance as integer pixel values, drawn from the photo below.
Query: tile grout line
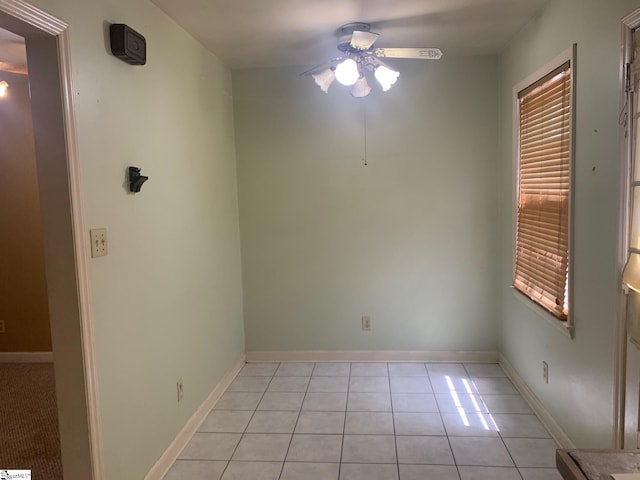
(284, 461)
(455, 462)
(344, 423)
(393, 422)
(251, 418)
(499, 433)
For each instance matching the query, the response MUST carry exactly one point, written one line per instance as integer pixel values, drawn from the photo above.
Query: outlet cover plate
(366, 323)
(98, 242)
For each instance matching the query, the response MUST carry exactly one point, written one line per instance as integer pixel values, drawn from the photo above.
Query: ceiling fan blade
(363, 40)
(417, 53)
(321, 67)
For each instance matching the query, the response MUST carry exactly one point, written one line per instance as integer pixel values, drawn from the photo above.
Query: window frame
(565, 326)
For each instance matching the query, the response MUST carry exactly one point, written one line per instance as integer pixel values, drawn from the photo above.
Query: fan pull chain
(365, 136)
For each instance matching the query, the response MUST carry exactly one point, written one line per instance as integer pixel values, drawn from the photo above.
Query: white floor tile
(310, 471)
(424, 450)
(368, 472)
(450, 369)
(407, 369)
(272, 422)
(480, 451)
(226, 421)
(478, 370)
(210, 446)
(506, 404)
(320, 422)
(249, 384)
(532, 452)
(315, 448)
(269, 447)
(461, 385)
(425, 472)
(369, 384)
(369, 423)
(410, 385)
(195, 470)
(325, 402)
(369, 370)
(329, 384)
(332, 370)
(369, 449)
(238, 401)
(281, 401)
(518, 425)
(418, 424)
(258, 370)
(488, 473)
(476, 424)
(540, 474)
(494, 385)
(251, 471)
(414, 402)
(294, 370)
(453, 403)
(369, 402)
(289, 384)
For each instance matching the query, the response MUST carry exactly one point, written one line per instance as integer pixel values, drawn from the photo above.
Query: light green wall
(580, 390)
(167, 300)
(410, 239)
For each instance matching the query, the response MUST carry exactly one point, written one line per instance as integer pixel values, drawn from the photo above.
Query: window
(543, 198)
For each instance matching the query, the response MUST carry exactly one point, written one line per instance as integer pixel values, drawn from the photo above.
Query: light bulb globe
(347, 72)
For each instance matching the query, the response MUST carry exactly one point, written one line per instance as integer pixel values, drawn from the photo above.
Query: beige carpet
(29, 436)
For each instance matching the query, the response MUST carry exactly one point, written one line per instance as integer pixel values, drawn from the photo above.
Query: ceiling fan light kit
(360, 59)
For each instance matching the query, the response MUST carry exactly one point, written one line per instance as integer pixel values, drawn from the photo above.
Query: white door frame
(71, 323)
(629, 24)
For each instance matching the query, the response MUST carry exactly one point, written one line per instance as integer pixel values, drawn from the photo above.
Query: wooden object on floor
(596, 464)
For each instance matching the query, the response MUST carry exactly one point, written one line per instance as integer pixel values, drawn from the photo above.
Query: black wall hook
(136, 180)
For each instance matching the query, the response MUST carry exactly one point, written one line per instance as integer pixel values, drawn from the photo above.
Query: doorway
(64, 242)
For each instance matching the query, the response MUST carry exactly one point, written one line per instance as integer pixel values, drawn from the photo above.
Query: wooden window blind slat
(542, 232)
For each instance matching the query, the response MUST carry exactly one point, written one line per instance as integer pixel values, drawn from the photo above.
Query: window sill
(564, 327)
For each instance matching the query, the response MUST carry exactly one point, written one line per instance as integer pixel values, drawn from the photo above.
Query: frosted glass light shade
(347, 72)
(386, 77)
(3, 88)
(361, 88)
(324, 79)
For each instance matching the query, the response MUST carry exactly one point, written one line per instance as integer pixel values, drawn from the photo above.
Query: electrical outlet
(179, 388)
(545, 372)
(98, 242)
(366, 323)
(3, 328)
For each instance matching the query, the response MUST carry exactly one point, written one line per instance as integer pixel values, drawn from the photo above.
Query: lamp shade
(361, 88)
(347, 72)
(324, 79)
(386, 77)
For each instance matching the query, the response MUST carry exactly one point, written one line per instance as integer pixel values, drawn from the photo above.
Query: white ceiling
(272, 33)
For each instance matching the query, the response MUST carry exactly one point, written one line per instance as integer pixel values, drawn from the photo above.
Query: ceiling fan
(360, 59)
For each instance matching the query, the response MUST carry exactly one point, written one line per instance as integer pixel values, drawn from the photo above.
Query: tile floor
(369, 421)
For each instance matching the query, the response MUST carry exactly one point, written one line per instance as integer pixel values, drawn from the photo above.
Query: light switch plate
(98, 242)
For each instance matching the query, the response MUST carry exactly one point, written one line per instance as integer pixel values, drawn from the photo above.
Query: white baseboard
(371, 356)
(26, 357)
(164, 463)
(559, 435)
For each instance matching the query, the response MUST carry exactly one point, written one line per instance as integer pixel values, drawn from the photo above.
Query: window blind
(542, 238)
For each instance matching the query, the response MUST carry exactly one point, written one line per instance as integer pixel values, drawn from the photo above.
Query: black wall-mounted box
(127, 44)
